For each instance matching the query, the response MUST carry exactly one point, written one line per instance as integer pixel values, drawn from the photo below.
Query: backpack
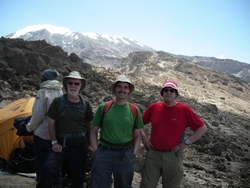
(20, 125)
(23, 160)
(110, 103)
(63, 106)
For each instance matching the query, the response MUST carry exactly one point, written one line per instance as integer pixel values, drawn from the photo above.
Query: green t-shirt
(118, 123)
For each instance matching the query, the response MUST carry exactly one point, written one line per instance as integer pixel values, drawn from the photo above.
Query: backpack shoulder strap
(109, 104)
(106, 109)
(83, 103)
(64, 106)
(62, 103)
(133, 108)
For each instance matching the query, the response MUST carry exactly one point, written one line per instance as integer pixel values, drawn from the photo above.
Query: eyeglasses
(75, 83)
(166, 90)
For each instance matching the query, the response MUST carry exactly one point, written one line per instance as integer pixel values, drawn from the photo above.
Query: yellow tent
(8, 138)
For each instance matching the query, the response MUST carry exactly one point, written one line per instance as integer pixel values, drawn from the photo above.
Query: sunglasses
(171, 90)
(75, 83)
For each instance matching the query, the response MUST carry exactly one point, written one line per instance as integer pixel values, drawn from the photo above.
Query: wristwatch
(187, 142)
(54, 142)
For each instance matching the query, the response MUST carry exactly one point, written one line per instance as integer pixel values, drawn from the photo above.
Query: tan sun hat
(74, 75)
(122, 78)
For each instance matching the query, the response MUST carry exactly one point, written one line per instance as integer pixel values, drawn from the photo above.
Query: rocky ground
(219, 159)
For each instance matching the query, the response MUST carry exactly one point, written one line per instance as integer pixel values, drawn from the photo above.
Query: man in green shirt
(119, 138)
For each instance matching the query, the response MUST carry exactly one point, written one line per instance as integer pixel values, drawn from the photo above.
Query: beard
(73, 92)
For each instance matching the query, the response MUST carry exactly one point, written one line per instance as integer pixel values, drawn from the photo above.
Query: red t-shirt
(169, 124)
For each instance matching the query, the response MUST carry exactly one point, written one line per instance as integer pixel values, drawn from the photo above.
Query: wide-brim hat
(170, 83)
(122, 78)
(74, 75)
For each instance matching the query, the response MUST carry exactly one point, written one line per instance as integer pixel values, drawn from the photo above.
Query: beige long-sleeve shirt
(39, 121)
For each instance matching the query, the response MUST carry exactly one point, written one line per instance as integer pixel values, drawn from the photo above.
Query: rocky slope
(219, 159)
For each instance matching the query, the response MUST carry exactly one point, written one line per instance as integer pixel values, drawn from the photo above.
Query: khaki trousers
(165, 164)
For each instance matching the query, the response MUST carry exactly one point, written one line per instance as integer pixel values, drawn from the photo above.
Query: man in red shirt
(168, 119)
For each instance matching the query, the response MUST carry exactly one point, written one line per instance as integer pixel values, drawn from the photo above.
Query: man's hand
(57, 148)
(179, 148)
(90, 150)
(146, 142)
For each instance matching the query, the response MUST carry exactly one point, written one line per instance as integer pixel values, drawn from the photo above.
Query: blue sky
(211, 28)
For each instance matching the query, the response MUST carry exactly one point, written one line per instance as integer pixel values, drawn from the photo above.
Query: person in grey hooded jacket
(49, 89)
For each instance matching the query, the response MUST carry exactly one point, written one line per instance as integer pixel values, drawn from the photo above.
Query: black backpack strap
(63, 106)
(83, 103)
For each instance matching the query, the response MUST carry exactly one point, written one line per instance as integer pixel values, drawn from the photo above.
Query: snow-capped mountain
(109, 51)
(102, 49)
(52, 29)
